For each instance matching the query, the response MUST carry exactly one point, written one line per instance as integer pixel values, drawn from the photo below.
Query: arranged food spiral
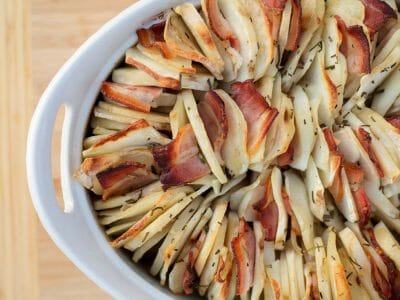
(251, 148)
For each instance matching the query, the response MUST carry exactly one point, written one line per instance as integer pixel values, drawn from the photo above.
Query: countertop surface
(36, 38)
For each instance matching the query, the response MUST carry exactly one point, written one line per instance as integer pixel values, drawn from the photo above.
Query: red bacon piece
(377, 12)
(153, 37)
(393, 273)
(355, 47)
(190, 276)
(354, 172)
(286, 158)
(295, 26)
(180, 161)
(365, 139)
(381, 285)
(258, 114)
(124, 177)
(394, 121)
(219, 25)
(243, 247)
(212, 112)
(363, 206)
(135, 97)
(314, 287)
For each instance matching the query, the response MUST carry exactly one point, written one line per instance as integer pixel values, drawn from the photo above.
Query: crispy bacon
(258, 114)
(330, 139)
(135, 97)
(153, 37)
(219, 25)
(180, 160)
(381, 285)
(354, 172)
(355, 47)
(295, 26)
(286, 158)
(394, 121)
(123, 178)
(294, 223)
(363, 206)
(243, 247)
(365, 139)
(377, 12)
(393, 273)
(316, 295)
(212, 112)
(190, 276)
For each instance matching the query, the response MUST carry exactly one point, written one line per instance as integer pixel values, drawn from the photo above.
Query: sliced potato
(259, 272)
(298, 199)
(238, 18)
(281, 231)
(304, 138)
(234, 150)
(387, 242)
(389, 90)
(322, 269)
(177, 116)
(291, 264)
(107, 124)
(315, 190)
(201, 135)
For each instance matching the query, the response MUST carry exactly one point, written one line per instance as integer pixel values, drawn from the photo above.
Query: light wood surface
(36, 38)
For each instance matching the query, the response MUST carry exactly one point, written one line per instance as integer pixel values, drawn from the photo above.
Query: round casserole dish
(76, 86)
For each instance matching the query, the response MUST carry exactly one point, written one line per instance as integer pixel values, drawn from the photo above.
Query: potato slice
(107, 124)
(389, 90)
(387, 242)
(291, 264)
(284, 277)
(201, 33)
(234, 150)
(150, 244)
(322, 269)
(263, 30)
(359, 260)
(304, 138)
(238, 18)
(162, 220)
(139, 133)
(352, 13)
(214, 226)
(281, 231)
(259, 272)
(357, 290)
(177, 116)
(182, 43)
(297, 193)
(102, 130)
(315, 190)
(201, 135)
(210, 267)
(337, 275)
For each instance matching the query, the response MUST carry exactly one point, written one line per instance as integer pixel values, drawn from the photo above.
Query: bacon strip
(377, 12)
(363, 206)
(258, 114)
(393, 273)
(355, 173)
(123, 178)
(219, 24)
(355, 47)
(212, 112)
(243, 247)
(394, 121)
(365, 139)
(286, 158)
(294, 223)
(135, 97)
(381, 285)
(295, 26)
(180, 161)
(190, 276)
(153, 37)
(316, 295)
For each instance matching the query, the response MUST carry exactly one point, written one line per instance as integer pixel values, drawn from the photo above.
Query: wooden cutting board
(36, 38)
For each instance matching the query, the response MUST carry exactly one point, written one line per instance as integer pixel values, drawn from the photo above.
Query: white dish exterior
(76, 231)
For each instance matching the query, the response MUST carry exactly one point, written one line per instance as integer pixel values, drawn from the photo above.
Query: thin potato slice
(315, 190)
(322, 269)
(259, 272)
(238, 18)
(389, 91)
(387, 242)
(177, 116)
(201, 135)
(281, 231)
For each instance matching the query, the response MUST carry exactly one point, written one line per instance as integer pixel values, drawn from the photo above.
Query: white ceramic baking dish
(75, 230)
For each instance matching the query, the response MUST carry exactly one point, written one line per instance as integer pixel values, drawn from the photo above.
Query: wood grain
(31, 265)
